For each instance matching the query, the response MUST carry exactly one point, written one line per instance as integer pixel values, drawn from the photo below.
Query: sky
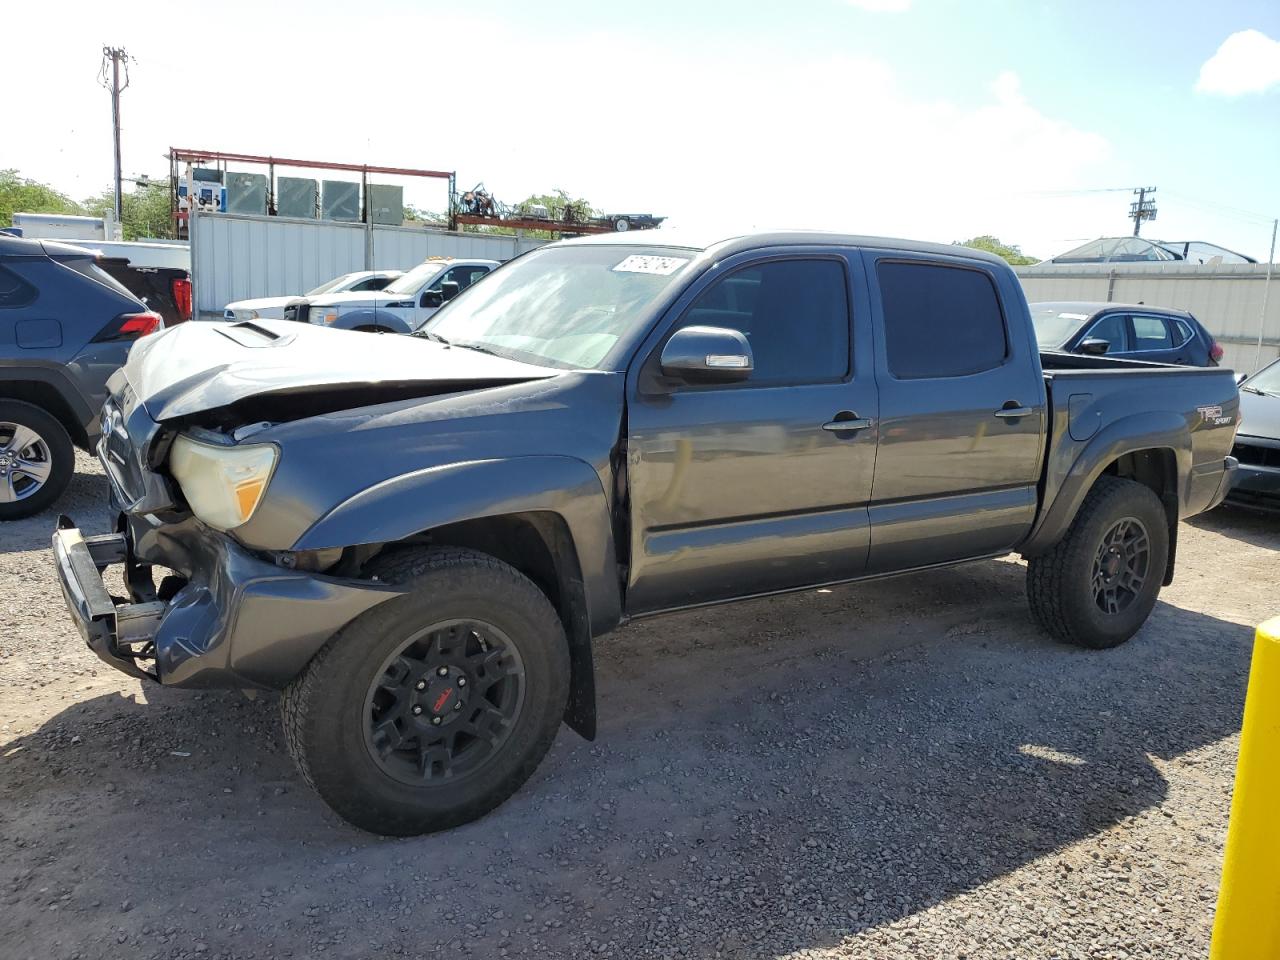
(930, 119)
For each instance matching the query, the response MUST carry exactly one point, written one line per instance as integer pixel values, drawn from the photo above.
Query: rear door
(962, 412)
(1159, 339)
(740, 489)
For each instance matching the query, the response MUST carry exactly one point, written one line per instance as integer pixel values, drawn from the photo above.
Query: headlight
(223, 485)
(325, 315)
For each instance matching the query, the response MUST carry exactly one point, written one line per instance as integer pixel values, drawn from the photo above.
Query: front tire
(36, 459)
(434, 707)
(1098, 585)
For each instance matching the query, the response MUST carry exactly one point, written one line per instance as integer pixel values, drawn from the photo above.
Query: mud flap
(580, 711)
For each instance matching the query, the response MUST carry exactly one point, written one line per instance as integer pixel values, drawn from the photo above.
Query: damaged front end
(224, 618)
(207, 489)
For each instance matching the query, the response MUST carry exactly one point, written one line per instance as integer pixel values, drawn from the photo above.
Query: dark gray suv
(66, 325)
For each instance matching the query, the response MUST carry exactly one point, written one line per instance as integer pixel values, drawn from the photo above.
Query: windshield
(1266, 380)
(561, 306)
(334, 284)
(415, 278)
(1055, 323)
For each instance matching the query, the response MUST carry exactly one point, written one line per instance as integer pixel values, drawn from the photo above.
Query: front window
(334, 284)
(1055, 324)
(412, 281)
(561, 306)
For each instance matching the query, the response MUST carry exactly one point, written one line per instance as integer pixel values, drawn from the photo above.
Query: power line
(1238, 213)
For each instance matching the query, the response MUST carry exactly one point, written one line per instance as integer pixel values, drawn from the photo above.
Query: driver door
(747, 488)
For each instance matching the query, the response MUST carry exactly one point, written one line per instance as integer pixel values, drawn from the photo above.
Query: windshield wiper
(1252, 389)
(480, 348)
(432, 335)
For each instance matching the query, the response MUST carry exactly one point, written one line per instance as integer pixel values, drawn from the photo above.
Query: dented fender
(424, 499)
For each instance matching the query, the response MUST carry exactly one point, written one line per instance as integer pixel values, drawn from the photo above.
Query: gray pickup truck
(417, 538)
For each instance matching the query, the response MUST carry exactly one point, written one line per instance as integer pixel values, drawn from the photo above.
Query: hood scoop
(249, 334)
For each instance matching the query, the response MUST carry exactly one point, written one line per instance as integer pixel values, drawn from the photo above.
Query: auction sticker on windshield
(645, 263)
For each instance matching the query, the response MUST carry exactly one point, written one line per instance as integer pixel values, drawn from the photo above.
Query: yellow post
(1247, 925)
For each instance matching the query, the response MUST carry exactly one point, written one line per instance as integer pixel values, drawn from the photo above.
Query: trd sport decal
(1213, 415)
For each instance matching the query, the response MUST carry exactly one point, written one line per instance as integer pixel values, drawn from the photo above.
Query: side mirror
(1094, 346)
(432, 298)
(449, 289)
(707, 355)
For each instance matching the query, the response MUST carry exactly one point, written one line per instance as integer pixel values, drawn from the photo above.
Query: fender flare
(55, 379)
(1070, 482)
(566, 487)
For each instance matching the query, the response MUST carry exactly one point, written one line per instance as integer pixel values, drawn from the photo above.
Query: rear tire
(36, 459)
(1098, 585)
(434, 707)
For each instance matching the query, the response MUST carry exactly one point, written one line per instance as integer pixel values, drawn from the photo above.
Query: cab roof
(730, 243)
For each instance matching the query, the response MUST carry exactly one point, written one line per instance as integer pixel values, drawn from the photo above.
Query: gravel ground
(897, 769)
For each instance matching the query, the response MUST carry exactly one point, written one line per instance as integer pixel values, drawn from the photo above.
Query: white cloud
(726, 137)
(1247, 62)
(881, 6)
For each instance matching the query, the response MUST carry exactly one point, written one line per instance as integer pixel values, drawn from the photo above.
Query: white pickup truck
(402, 307)
(272, 308)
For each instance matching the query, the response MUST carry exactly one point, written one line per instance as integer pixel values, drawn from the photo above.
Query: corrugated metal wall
(238, 257)
(1227, 299)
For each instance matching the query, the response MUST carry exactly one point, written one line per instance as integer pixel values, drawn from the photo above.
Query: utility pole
(1144, 209)
(1266, 293)
(115, 56)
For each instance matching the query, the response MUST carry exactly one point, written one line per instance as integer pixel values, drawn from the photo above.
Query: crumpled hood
(199, 367)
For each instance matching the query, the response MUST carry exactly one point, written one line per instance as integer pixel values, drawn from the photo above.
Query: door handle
(849, 425)
(1013, 413)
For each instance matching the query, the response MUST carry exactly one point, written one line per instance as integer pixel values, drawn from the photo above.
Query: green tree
(21, 195)
(144, 211)
(1010, 252)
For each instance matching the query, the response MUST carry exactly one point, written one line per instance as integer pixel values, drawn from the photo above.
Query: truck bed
(1097, 403)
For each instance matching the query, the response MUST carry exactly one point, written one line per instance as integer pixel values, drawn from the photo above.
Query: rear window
(86, 266)
(940, 321)
(14, 291)
(1151, 333)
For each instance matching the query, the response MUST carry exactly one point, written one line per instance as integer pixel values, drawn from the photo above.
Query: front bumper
(109, 629)
(1256, 487)
(237, 621)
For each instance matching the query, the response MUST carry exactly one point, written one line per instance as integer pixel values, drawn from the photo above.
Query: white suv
(402, 307)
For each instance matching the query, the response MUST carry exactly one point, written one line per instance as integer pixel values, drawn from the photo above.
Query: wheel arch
(1153, 449)
(47, 394)
(371, 319)
(548, 517)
